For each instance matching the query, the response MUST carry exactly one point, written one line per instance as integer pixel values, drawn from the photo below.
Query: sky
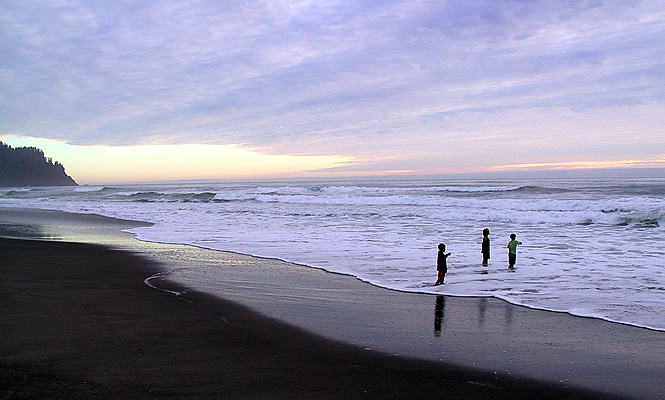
(127, 91)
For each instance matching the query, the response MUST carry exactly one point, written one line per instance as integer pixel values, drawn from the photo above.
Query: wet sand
(77, 321)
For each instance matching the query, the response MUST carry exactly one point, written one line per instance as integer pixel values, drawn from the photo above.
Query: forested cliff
(27, 166)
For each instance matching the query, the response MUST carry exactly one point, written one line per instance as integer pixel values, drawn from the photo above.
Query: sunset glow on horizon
(158, 163)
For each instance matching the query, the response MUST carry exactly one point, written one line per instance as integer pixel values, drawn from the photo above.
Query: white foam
(84, 189)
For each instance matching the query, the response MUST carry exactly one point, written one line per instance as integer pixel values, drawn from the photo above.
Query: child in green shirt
(512, 251)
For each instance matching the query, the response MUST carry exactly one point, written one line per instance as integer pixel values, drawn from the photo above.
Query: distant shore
(77, 319)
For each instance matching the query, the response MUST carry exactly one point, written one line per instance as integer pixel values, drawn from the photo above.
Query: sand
(78, 321)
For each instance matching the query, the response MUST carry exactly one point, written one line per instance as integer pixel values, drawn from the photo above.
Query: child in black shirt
(441, 265)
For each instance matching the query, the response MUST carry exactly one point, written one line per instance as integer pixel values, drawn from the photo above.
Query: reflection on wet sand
(438, 314)
(500, 317)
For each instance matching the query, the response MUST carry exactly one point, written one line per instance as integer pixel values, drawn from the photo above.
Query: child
(441, 265)
(486, 246)
(512, 251)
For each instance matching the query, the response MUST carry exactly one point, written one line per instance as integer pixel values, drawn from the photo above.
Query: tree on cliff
(27, 166)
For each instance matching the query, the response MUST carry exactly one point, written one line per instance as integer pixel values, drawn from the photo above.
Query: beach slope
(78, 322)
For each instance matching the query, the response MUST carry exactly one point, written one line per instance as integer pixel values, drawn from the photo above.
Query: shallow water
(590, 247)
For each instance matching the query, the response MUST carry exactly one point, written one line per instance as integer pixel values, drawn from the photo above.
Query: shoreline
(475, 297)
(470, 325)
(76, 332)
(419, 290)
(102, 333)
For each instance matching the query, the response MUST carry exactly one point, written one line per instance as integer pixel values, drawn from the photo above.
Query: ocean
(590, 247)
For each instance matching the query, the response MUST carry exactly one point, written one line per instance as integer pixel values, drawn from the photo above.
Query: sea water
(592, 248)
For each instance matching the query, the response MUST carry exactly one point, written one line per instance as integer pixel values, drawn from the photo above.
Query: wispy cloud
(656, 163)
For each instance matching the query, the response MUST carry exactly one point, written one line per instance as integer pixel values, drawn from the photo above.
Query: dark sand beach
(77, 321)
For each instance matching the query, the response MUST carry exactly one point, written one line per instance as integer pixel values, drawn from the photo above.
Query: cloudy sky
(333, 88)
